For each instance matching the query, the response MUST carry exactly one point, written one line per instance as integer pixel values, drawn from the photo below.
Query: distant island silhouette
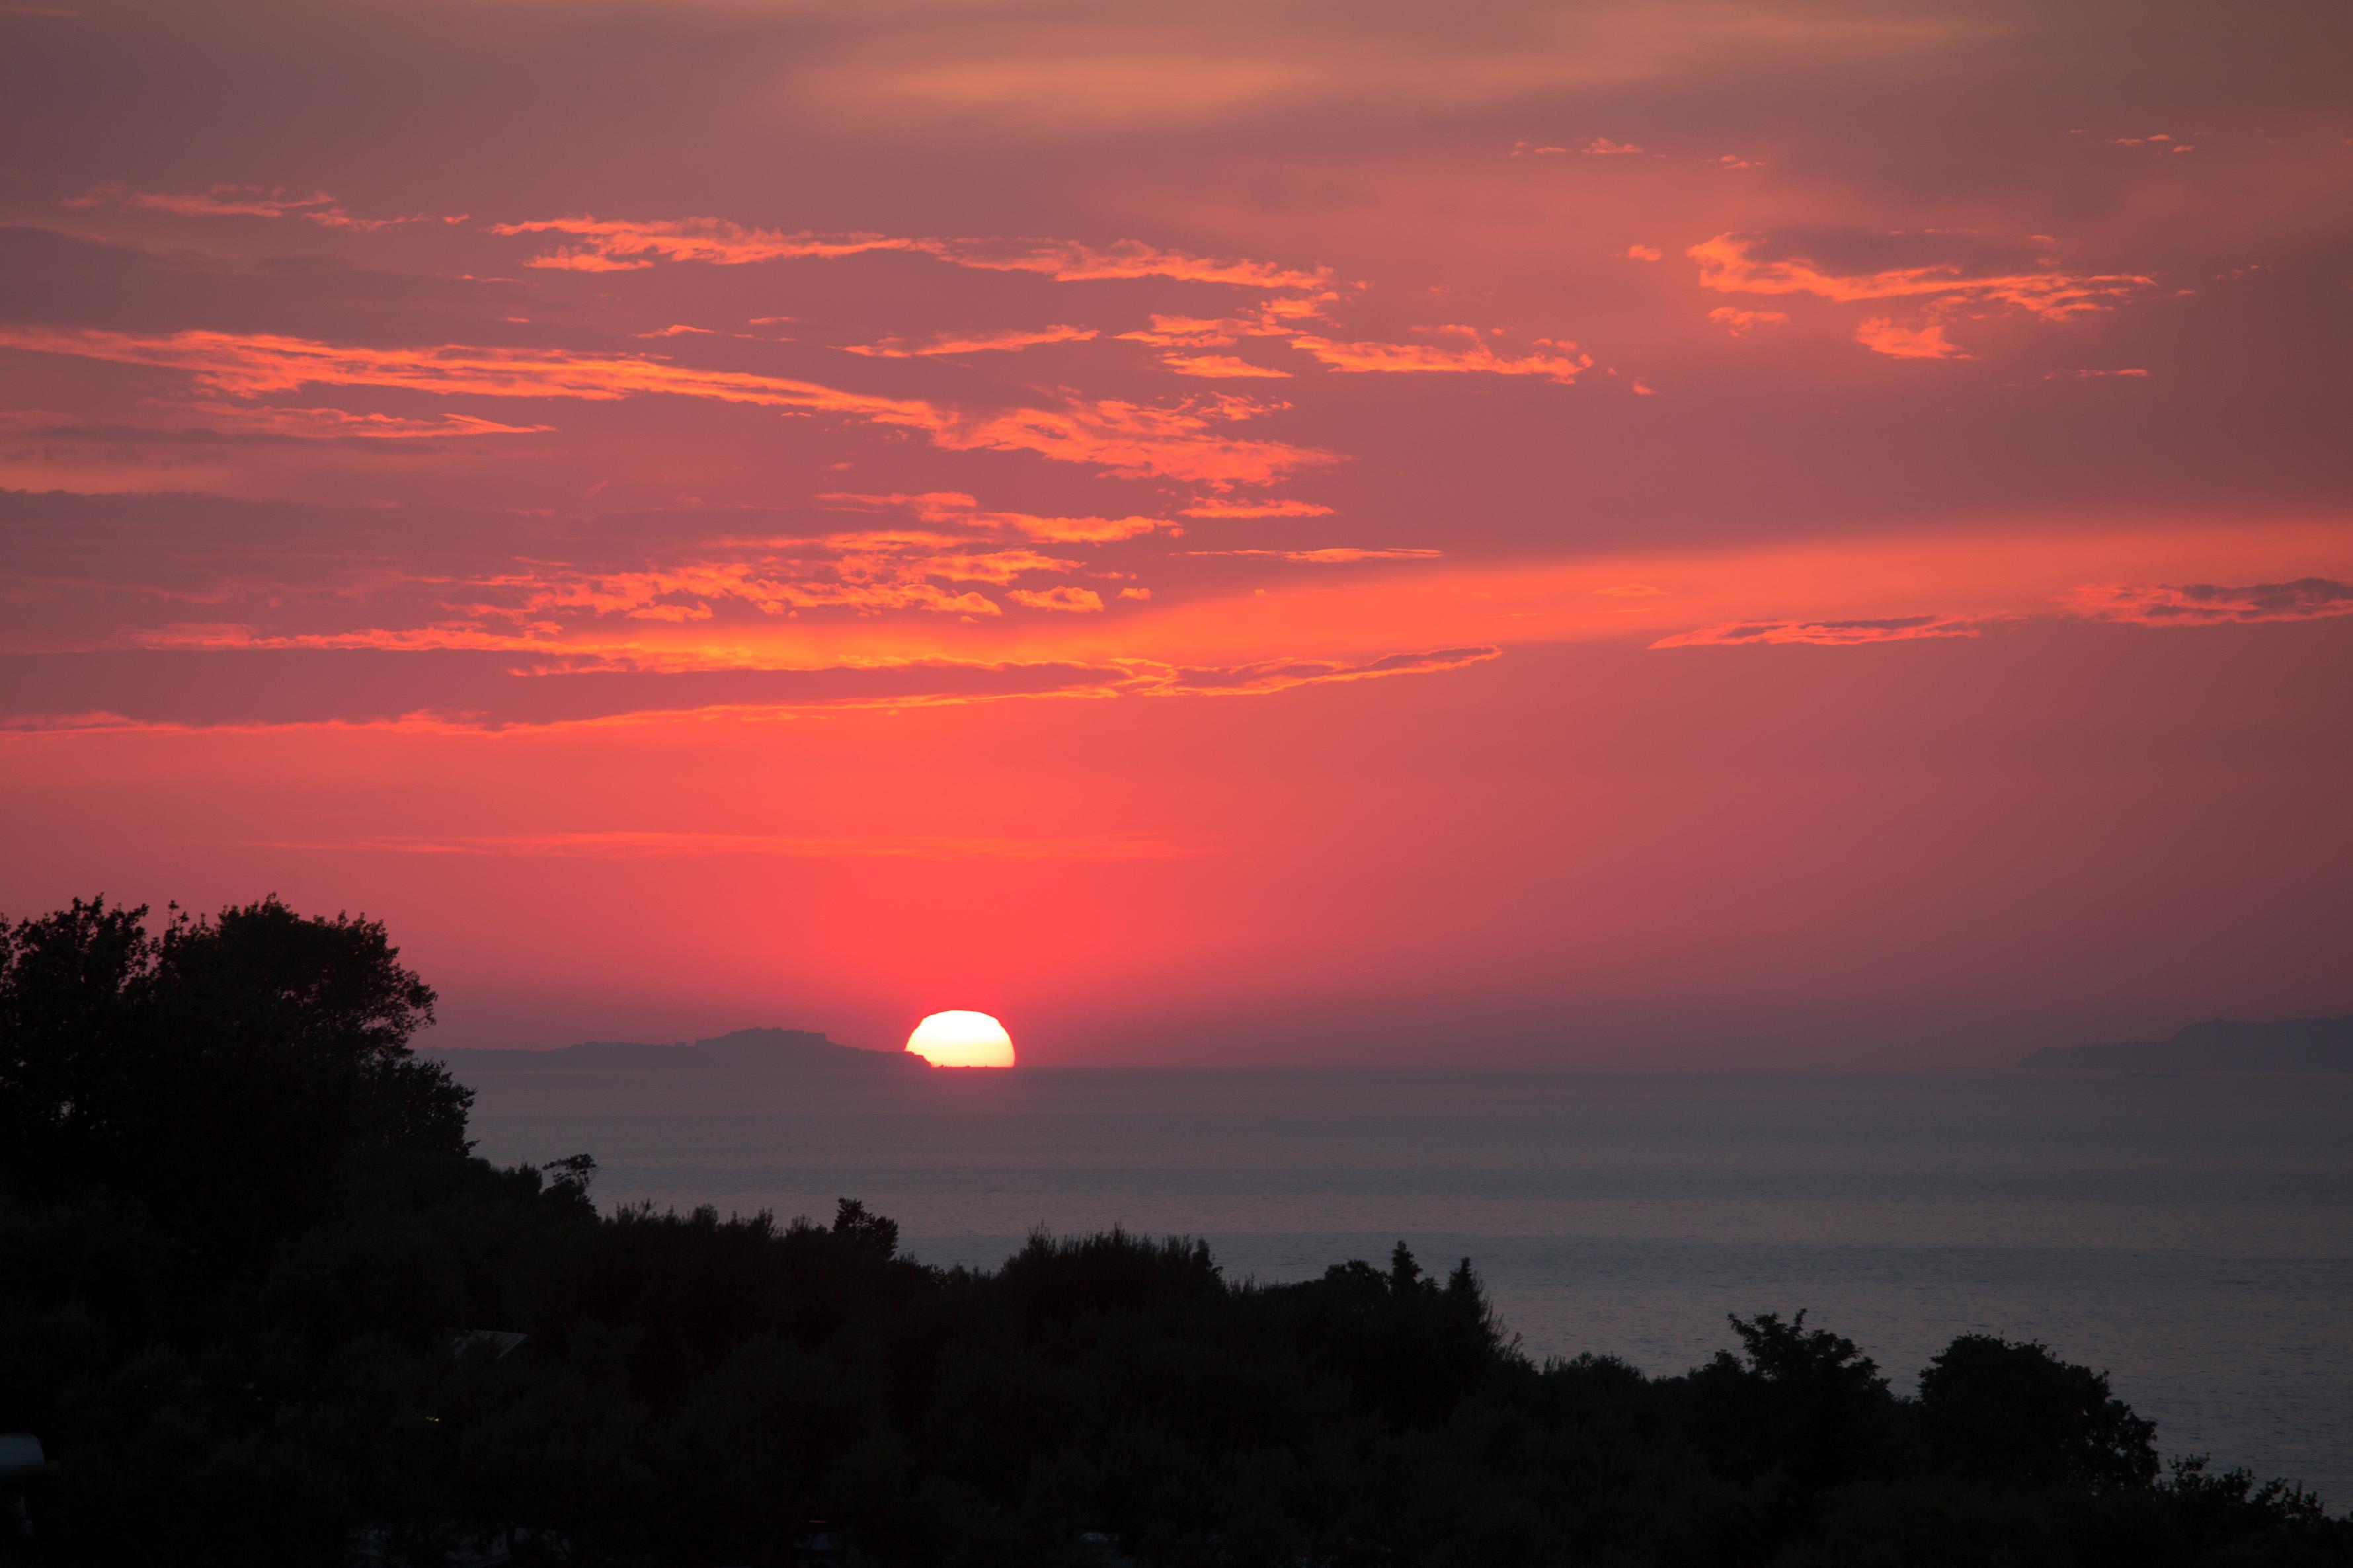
(2219, 1045)
(770, 1048)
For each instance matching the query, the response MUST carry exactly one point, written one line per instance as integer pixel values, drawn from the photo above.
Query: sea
(2191, 1237)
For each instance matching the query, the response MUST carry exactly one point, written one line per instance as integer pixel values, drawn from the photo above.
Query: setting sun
(961, 1039)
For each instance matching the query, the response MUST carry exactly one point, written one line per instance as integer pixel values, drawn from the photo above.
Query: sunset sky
(1808, 533)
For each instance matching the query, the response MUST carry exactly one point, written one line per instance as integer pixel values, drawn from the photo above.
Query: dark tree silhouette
(2013, 1415)
(225, 1067)
(247, 1268)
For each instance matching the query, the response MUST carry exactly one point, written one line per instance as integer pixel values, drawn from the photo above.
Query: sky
(1782, 535)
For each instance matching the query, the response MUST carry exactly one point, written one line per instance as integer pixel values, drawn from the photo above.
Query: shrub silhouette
(242, 1243)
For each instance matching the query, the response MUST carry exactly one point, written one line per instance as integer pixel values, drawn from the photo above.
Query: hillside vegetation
(258, 1302)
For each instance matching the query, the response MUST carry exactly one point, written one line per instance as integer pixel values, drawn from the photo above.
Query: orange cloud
(1077, 600)
(1885, 335)
(1136, 440)
(1221, 367)
(952, 509)
(1456, 350)
(1193, 332)
(1602, 147)
(1239, 509)
(1642, 253)
(605, 245)
(1729, 264)
(338, 218)
(1131, 439)
(1740, 323)
(970, 343)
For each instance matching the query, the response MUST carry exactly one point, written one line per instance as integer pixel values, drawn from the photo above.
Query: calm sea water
(2194, 1236)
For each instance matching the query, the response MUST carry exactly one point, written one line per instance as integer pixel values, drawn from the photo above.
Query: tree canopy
(224, 1065)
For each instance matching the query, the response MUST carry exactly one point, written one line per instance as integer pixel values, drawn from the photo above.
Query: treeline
(257, 1300)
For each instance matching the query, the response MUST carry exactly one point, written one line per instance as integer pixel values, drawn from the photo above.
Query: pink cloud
(338, 218)
(229, 200)
(2208, 604)
(1602, 147)
(2141, 604)
(224, 200)
(1826, 633)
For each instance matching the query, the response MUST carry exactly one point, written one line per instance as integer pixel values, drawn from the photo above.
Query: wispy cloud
(1740, 323)
(255, 689)
(1221, 367)
(952, 509)
(1826, 633)
(611, 245)
(1759, 264)
(1080, 600)
(1236, 511)
(1448, 351)
(1285, 675)
(1007, 342)
(2143, 605)
(228, 200)
(1184, 441)
(2209, 604)
(212, 421)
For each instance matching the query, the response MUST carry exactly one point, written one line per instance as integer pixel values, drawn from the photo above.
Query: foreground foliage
(245, 1356)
